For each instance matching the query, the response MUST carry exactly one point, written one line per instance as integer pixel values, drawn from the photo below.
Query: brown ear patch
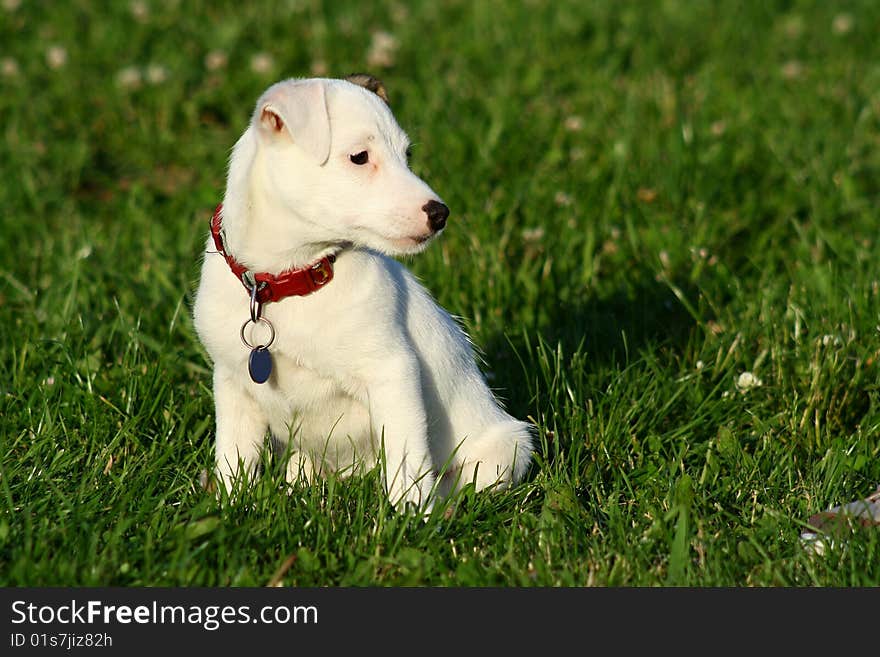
(369, 83)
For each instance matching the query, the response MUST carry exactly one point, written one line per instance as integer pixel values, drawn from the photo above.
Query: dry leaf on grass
(865, 512)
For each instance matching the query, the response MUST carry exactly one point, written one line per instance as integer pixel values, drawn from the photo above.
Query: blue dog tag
(260, 364)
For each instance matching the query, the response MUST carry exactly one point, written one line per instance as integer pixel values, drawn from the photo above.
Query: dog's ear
(298, 111)
(369, 83)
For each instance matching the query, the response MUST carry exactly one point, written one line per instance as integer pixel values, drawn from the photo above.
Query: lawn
(663, 239)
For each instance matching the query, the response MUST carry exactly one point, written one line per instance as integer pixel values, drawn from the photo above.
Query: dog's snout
(437, 213)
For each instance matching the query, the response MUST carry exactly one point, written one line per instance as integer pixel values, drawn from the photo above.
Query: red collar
(271, 287)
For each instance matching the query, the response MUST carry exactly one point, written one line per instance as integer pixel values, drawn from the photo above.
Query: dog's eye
(360, 158)
(409, 152)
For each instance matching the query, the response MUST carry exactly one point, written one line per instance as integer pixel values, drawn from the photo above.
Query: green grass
(649, 199)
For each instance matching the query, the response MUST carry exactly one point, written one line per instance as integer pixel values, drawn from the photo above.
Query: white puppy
(361, 366)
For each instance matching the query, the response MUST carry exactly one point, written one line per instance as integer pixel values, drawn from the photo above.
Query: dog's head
(331, 157)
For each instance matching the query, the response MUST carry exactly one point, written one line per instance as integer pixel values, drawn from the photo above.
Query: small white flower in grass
(156, 74)
(746, 381)
(830, 341)
(139, 10)
(562, 199)
(382, 49)
(215, 60)
(842, 24)
(9, 67)
(84, 252)
(129, 78)
(56, 57)
(49, 381)
(792, 70)
(699, 365)
(574, 123)
(262, 62)
(533, 234)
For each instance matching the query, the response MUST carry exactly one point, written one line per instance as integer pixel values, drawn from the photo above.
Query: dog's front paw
(413, 495)
(229, 483)
(409, 507)
(300, 468)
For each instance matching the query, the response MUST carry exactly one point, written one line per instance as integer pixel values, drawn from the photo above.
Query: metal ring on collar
(257, 321)
(256, 306)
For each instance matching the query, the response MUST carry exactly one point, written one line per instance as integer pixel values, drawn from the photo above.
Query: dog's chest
(297, 395)
(303, 386)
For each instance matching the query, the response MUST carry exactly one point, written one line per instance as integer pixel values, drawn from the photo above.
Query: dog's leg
(241, 430)
(299, 468)
(398, 417)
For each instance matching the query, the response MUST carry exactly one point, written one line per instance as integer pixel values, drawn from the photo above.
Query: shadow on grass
(611, 330)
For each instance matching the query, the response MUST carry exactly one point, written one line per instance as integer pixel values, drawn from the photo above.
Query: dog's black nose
(437, 213)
